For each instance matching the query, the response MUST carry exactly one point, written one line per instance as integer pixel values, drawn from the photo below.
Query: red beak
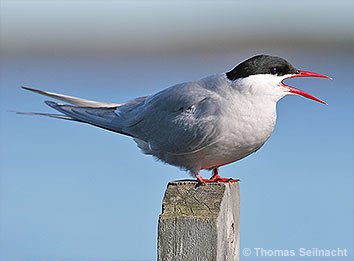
(302, 93)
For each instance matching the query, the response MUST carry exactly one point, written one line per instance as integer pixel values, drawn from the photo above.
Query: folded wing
(180, 119)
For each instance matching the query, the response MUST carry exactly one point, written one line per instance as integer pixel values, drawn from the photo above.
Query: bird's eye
(274, 70)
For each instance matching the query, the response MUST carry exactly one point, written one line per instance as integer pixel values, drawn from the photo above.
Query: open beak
(300, 92)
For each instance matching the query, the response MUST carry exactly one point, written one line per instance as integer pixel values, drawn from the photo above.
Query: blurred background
(70, 191)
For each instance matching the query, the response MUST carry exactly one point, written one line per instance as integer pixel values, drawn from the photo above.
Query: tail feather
(74, 100)
(57, 116)
(100, 114)
(105, 118)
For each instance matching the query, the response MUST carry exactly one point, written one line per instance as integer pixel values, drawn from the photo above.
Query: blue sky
(70, 191)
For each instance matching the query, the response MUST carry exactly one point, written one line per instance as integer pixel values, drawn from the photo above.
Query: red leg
(200, 179)
(215, 178)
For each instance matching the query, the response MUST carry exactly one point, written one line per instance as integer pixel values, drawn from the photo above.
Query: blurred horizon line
(180, 48)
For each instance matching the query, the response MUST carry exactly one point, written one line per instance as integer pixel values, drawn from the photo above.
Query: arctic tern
(201, 124)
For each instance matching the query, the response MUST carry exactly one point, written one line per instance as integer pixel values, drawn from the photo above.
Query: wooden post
(200, 222)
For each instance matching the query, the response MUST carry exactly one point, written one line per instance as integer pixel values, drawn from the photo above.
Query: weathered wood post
(200, 222)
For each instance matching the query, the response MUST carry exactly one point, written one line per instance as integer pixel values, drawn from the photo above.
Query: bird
(196, 125)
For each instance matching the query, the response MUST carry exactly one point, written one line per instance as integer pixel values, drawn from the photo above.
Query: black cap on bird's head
(261, 64)
(277, 66)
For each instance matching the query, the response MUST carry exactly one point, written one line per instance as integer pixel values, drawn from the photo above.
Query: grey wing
(177, 120)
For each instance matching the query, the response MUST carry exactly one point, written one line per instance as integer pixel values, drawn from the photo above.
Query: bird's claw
(216, 179)
(225, 180)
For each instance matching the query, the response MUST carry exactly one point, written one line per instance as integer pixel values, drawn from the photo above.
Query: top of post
(189, 199)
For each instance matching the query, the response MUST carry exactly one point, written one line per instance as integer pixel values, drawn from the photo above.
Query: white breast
(246, 127)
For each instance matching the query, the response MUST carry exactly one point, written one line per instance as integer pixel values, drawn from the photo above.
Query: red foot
(215, 178)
